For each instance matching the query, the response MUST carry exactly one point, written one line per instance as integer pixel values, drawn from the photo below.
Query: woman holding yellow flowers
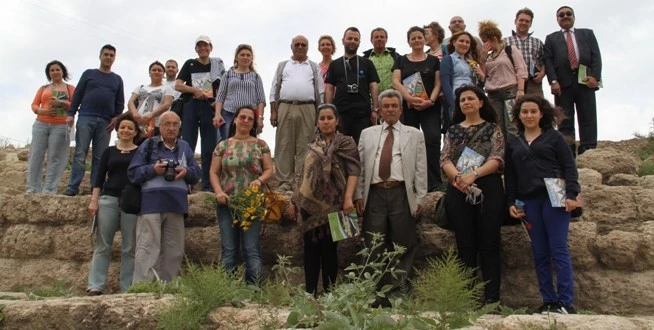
(461, 67)
(325, 185)
(240, 165)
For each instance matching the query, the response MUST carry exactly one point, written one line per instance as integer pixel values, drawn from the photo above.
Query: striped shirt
(531, 49)
(240, 89)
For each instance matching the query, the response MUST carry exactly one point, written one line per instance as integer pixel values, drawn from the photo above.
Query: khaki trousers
(295, 129)
(159, 246)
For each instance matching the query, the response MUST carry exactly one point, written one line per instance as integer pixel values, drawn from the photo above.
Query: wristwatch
(475, 173)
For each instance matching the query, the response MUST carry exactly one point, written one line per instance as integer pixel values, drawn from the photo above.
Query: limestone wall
(45, 239)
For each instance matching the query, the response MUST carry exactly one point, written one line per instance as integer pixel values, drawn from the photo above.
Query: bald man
(297, 90)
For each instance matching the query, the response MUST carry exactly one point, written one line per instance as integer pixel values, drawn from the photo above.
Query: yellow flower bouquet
(247, 206)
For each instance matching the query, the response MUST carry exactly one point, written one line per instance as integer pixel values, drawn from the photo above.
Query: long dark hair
(253, 131)
(64, 71)
(550, 114)
(486, 112)
(128, 116)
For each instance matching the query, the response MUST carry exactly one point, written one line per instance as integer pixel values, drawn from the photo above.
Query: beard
(351, 49)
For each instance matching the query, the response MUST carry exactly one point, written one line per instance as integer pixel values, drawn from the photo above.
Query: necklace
(126, 149)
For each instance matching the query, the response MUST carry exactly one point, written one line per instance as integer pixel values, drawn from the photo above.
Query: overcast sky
(73, 31)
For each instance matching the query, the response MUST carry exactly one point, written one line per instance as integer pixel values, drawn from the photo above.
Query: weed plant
(61, 288)
(201, 290)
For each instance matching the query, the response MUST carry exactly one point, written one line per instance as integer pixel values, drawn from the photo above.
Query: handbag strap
(477, 134)
(532, 156)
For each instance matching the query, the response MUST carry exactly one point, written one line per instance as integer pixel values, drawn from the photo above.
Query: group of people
(354, 133)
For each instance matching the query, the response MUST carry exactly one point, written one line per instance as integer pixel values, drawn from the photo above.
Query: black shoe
(563, 309)
(70, 193)
(545, 308)
(93, 292)
(381, 302)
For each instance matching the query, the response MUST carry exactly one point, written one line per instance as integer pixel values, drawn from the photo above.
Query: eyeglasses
(299, 44)
(173, 125)
(565, 13)
(245, 118)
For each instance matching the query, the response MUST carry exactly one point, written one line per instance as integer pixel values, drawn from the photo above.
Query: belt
(388, 184)
(296, 102)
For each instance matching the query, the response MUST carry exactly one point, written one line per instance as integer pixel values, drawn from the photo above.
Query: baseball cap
(202, 38)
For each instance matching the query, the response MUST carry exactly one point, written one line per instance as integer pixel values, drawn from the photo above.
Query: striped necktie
(572, 56)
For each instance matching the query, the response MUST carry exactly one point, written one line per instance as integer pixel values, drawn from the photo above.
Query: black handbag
(130, 199)
(440, 218)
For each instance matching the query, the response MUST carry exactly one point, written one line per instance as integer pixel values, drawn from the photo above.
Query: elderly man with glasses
(297, 90)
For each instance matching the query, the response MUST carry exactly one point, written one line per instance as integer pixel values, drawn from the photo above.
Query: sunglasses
(565, 13)
(298, 44)
(245, 118)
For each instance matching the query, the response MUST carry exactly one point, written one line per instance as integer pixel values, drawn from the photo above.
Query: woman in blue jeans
(538, 154)
(239, 162)
(49, 131)
(109, 184)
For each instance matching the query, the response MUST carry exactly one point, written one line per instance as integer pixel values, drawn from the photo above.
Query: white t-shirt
(171, 84)
(149, 98)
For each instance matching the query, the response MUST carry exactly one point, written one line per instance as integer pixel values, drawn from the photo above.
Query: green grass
(61, 288)
(201, 290)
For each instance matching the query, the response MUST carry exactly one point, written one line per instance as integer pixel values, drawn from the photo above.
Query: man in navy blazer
(564, 52)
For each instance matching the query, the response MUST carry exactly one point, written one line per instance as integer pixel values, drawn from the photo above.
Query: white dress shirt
(396, 163)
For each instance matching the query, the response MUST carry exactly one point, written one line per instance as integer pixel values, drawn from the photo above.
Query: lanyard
(347, 81)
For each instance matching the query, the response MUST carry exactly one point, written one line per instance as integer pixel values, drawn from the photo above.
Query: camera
(353, 88)
(169, 172)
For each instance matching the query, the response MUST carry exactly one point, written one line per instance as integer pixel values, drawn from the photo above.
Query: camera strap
(347, 81)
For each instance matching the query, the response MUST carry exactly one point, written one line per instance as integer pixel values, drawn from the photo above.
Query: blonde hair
(489, 30)
(239, 48)
(328, 37)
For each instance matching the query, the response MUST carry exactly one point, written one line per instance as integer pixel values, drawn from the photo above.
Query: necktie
(572, 56)
(386, 155)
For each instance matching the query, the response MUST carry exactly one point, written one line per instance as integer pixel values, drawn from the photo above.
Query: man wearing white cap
(198, 81)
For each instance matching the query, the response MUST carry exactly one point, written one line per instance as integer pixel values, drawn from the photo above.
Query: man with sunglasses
(297, 91)
(568, 53)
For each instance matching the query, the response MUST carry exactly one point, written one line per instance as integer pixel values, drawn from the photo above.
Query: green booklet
(583, 75)
(343, 226)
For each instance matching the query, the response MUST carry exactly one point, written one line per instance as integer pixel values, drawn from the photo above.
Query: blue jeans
(109, 219)
(54, 139)
(233, 237)
(89, 128)
(223, 131)
(199, 114)
(549, 243)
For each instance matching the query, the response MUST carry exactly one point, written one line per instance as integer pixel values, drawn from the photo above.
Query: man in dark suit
(564, 52)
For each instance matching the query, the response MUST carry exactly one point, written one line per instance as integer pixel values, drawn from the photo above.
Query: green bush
(451, 290)
(647, 167)
(201, 290)
(61, 288)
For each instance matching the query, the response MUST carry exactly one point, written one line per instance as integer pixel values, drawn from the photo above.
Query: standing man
(566, 52)
(171, 74)
(382, 57)
(164, 166)
(351, 85)
(297, 91)
(198, 81)
(531, 49)
(392, 185)
(99, 99)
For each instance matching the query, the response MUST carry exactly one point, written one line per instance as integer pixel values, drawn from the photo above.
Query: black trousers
(429, 121)
(477, 230)
(319, 251)
(387, 212)
(352, 123)
(583, 98)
